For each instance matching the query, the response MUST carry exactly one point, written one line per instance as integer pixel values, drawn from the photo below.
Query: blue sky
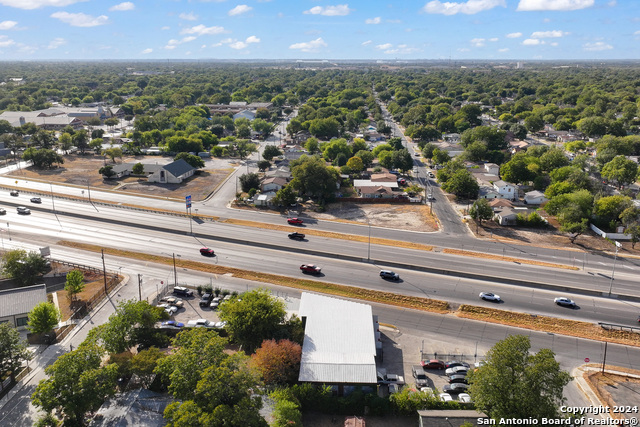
(320, 29)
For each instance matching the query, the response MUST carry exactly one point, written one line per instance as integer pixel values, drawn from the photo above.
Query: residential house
(263, 199)
(517, 145)
(139, 407)
(383, 177)
(535, 197)
(506, 190)
(486, 192)
(507, 216)
(498, 203)
(246, 114)
(340, 345)
(378, 192)
(492, 168)
(273, 184)
(173, 173)
(16, 303)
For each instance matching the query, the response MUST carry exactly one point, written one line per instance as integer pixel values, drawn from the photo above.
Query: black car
(454, 363)
(298, 236)
(419, 376)
(182, 291)
(455, 388)
(14, 193)
(36, 200)
(458, 378)
(206, 300)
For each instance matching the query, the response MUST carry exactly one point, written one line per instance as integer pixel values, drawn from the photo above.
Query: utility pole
(140, 286)
(104, 272)
(175, 271)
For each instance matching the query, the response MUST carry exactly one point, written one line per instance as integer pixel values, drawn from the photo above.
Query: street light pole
(175, 271)
(614, 267)
(369, 249)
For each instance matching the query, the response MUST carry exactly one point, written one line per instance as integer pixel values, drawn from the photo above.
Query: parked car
(464, 398)
(205, 300)
(458, 378)
(215, 303)
(220, 325)
(176, 302)
(207, 252)
(390, 379)
(479, 364)
(390, 275)
(296, 235)
(23, 211)
(419, 376)
(488, 296)
(454, 363)
(432, 364)
(170, 309)
(457, 370)
(430, 197)
(295, 221)
(565, 302)
(182, 291)
(14, 193)
(445, 397)
(402, 181)
(455, 388)
(171, 324)
(36, 200)
(310, 268)
(200, 323)
(394, 388)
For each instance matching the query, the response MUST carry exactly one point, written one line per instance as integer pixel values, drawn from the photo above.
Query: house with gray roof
(16, 303)
(173, 173)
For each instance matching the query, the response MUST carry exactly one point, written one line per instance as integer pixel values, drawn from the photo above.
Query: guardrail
(614, 327)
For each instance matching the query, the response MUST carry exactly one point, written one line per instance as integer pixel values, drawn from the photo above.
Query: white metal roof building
(339, 341)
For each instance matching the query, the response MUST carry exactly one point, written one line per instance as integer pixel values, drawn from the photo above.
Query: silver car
(23, 211)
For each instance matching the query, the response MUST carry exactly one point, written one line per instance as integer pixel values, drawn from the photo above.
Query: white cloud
(384, 46)
(529, 5)
(240, 9)
(597, 46)
(637, 33)
(548, 34)
(56, 43)
(532, 42)
(165, 28)
(146, 51)
(36, 4)
(339, 10)
(504, 49)
(493, 39)
(188, 16)
(514, 35)
(80, 19)
(173, 43)
(368, 42)
(238, 45)
(127, 5)
(477, 42)
(7, 25)
(201, 30)
(312, 46)
(401, 49)
(375, 20)
(469, 7)
(6, 42)
(252, 39)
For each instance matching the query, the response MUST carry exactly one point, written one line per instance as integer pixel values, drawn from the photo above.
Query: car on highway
(36, 200)
(638, 319)
(565, 302)
(456, 370)
(419, 377)
(432, 364)
(295, 221)
(23, 211)
(488, 296)
(454, 363)
(207, 252)
(455, 388)
(390, 275)
(14, 193)
(430, 197)
(3, 211)
(296, 236)
(182, 291)
(200, 323)
(458, 378)
(205, 300)
(310, 268)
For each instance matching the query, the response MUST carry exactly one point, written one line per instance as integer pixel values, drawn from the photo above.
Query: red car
(432, 364)
(207, 252)
(294, 220)
(310, 268)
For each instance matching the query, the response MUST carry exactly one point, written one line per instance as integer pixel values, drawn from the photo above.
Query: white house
(488, 193)
(173, 173)
(492, 168)
(534, 197)
(273, 184)
(506, 190)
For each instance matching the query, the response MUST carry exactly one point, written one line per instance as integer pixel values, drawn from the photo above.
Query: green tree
(517, 170)
(112, 153)
(249, 181)
(366, 157)
(553, 159)
(517, 384)
(80, 139)
(355, 164)
(385, 158)
(43, 318)
(96, 144)
(311, 145)
(13, 350)
(263, 165)
(313, 178)
(534, 123)
(192, 159)
(22, 266)
(440, 157)
(608, 210)
(65, 142)
(244, 147)
(43, 158)
(402, 160)
(428, 149)
(77, 384)
(462, 184)
(270, 151)
(74, 284)
(332, 149)
(380, 148)
(137, 169)
(263, 127)
(106, 171)
(621, 170)
(255, 317)
(481, 210)
(286, 196)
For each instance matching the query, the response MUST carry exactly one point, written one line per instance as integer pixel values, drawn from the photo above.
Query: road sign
(586, 360)
(187, 199)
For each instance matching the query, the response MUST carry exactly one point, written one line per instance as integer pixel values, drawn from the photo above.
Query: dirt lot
(83, 170)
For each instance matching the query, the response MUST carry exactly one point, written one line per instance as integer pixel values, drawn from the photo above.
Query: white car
(565, 302)
(479, 364)
(488, 296)
(464, 398)
(176, 302)
(200, 323)
(456, 370)
(445, 397)
(170, 309)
